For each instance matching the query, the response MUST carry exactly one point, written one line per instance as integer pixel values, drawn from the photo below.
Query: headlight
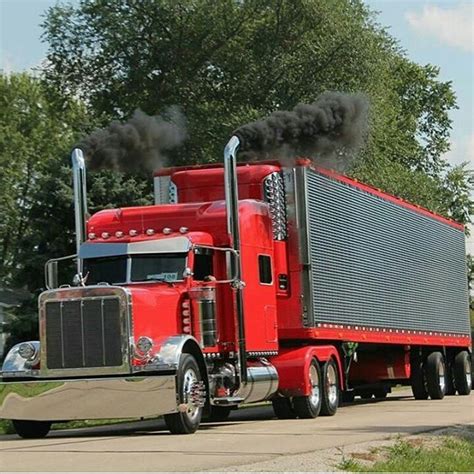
(143, 346)
(27, 351)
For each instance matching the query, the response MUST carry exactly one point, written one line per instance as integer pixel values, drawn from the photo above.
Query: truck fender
(168, 352)
(292, 365)
(15, 363)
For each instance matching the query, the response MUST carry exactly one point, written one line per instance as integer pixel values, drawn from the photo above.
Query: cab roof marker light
(150, 231)
(119, 234)
(183, 230)
(91, 235)
(132, 232)
(105, 235)
(167, 230)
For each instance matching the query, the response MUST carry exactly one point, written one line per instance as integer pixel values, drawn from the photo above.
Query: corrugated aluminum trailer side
(374, 263)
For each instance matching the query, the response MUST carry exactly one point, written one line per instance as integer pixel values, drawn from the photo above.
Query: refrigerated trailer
(242, 283)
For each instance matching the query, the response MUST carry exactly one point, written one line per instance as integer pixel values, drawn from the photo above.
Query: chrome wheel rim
(315, 391)
(189, 380)
(467, 370)
(442, 378)
(331, 384)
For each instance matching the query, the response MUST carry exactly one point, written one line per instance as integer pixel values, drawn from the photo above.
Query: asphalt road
(249, 436)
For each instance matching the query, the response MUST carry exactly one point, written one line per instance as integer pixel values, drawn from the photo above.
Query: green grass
(450, 454)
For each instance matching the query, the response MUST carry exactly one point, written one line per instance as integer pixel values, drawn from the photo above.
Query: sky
(439, 32)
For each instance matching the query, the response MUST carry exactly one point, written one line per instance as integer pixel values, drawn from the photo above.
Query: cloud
(451, 26)
(462, 151)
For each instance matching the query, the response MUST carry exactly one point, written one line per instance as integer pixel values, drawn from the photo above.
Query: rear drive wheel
(31, 429)
(331, 393)
(190, 388)
(435, 370)
(283, 408)
(462, 373)
(309, 406)
(417, 379)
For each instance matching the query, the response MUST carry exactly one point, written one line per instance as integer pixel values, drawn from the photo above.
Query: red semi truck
(249, 282)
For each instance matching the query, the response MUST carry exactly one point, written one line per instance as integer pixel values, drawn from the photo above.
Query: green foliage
(454, 454)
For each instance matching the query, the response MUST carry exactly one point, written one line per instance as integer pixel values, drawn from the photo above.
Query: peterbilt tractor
(243, 283)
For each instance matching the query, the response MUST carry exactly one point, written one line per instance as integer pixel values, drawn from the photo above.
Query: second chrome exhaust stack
(80, 200)
(233, 230)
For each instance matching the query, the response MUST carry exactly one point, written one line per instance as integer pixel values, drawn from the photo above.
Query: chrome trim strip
(131, 397)
(164, 245)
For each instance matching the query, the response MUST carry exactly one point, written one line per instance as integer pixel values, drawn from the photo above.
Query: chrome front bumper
(82, 399)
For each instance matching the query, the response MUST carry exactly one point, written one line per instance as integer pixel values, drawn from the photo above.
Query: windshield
(154, 267)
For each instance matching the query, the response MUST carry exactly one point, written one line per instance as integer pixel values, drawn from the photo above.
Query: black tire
(309, 406)
(31, 429)
(417, 379)
(450, 387)
(330, 392)
(218, 413)
(435, 372)
(462, 373)
(186, 422)
(283, 408)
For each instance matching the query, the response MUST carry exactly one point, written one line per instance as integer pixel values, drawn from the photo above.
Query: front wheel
(191, 396)
(330, 398)
(309, 406)
(29, 429)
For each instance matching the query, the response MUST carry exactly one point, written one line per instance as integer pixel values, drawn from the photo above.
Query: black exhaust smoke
(138, 145)
(330, 131)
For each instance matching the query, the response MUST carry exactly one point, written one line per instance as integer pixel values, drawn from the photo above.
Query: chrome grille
(83, 333)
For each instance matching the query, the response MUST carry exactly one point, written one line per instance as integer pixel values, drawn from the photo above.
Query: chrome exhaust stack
(80, 200)
(233, 230)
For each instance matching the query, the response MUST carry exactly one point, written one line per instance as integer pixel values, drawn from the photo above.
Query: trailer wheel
(189, 393)
(462, 373)
(283, 408)
(417, 379)
(309, 406)
(450, 386)
(435, 370)
(331, 393)
(29, 429)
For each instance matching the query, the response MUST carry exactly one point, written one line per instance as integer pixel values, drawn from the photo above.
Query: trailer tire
(188, 376)
(330, 392)
(462, 373)
(417, 379)
(309, 406)
(30, 429)
(283, 408)
(435, 371)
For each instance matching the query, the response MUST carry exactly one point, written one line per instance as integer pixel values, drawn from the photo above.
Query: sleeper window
(265, 269)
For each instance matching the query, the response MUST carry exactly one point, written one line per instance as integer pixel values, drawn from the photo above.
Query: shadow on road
(156, 427)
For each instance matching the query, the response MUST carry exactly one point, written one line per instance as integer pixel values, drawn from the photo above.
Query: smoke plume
(331, 131)
(140, 144)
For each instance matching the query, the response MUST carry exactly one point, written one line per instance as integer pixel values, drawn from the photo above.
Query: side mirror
(51, 274)
(187, 273)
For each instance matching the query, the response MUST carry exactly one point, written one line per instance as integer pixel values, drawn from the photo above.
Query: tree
(228, 62)
(36, 126)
